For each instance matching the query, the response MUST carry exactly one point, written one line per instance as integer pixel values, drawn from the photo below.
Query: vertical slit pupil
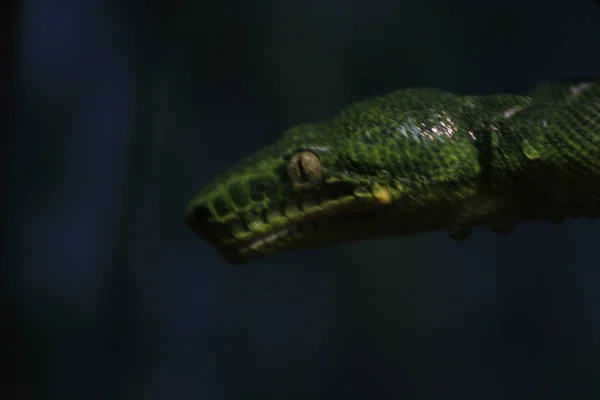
(201, 214)
(302, 170)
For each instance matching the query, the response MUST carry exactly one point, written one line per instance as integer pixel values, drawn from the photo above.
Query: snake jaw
(355, 213)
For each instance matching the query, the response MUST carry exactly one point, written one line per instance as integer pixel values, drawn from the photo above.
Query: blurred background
(124, 109)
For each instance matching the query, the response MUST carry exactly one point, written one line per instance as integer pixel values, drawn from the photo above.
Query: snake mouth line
(282, 235)
(312, 231)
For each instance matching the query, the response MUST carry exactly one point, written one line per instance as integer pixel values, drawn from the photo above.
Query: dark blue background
(126, 108)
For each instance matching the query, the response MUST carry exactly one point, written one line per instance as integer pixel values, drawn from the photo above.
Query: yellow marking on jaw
(383, 194)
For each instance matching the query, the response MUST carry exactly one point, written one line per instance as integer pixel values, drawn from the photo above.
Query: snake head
(296, 193)
(386, 166)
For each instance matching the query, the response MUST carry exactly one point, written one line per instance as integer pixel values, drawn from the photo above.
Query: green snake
(415, 160)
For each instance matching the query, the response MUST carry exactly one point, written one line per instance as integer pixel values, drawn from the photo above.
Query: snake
(413, 161)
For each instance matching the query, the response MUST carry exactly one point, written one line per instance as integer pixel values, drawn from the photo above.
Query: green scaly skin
(446, 162)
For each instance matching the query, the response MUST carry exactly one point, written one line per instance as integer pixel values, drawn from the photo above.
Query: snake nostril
(202, 221)
(198, 218)
(201, 215)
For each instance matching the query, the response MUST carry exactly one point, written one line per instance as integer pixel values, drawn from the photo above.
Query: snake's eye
(304, 169)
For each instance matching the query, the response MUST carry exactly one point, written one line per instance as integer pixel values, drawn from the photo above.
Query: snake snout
(200, 220)
(197, 218)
